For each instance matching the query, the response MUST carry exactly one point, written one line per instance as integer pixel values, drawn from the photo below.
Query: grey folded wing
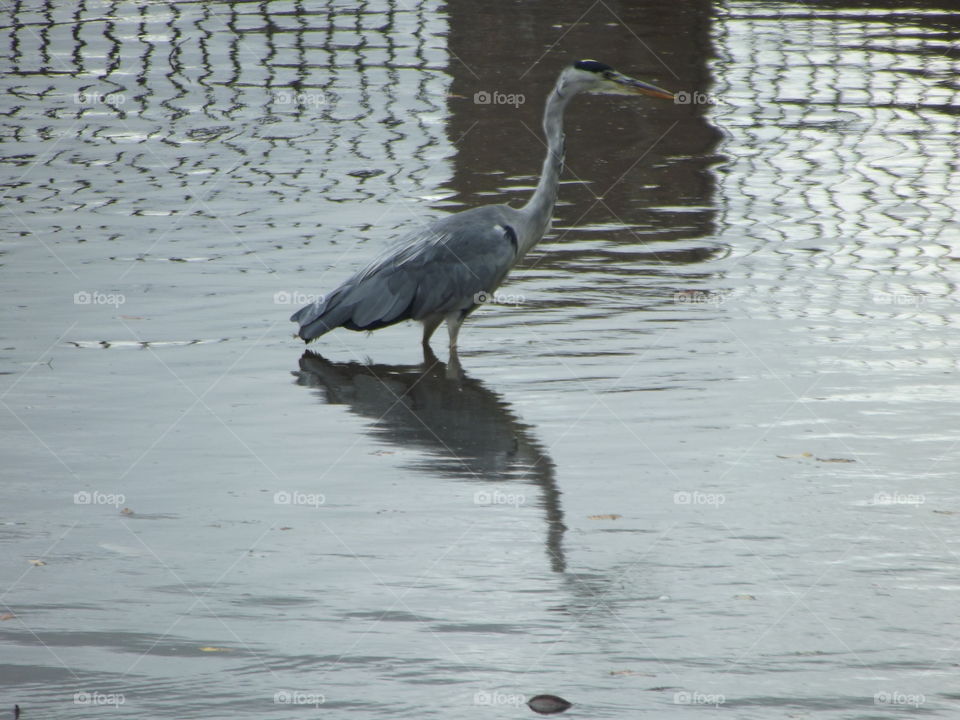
(438, 270)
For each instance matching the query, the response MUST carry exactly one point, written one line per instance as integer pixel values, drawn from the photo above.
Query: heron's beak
(629, 86)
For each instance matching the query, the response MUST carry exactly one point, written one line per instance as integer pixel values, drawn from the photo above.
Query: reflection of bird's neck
(539, 209)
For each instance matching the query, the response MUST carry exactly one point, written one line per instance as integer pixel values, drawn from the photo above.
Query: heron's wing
(437, 270)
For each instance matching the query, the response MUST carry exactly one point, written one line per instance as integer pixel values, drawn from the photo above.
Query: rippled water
(702, 459)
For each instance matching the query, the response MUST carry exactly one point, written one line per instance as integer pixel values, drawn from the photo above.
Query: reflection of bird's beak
(636, 87)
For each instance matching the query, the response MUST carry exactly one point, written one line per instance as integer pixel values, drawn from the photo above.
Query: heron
(445, 270)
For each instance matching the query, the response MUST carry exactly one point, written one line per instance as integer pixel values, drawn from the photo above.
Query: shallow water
(702, 456)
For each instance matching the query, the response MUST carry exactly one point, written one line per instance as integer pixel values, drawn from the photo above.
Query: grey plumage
(438, 273)
(428, 275)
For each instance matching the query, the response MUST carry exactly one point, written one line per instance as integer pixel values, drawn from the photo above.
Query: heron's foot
(429, 358)
(454, 321)
(454, 371)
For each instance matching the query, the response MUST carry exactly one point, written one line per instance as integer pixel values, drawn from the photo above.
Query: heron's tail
(320, 317)
(366, 302)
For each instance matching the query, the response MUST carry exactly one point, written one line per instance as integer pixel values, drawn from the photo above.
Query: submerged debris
(364, 174)
(809, 456)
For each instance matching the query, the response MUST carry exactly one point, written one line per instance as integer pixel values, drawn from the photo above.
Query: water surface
(703, 461)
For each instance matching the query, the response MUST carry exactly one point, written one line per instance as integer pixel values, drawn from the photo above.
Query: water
(703, 458)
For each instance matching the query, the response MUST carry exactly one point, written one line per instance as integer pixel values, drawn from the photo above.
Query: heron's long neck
(539, 209)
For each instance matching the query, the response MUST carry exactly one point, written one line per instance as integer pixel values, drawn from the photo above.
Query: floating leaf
(38, 563)
(795, 457)
(214, 649)
(946, 512)
(839, 460)
(7, 616)
(548, 704)
(744, 596)
(610, 516)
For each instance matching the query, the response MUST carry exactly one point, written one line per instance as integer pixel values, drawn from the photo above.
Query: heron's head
(595, 77)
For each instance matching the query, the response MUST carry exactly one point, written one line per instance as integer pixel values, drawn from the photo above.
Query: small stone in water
(548, 704)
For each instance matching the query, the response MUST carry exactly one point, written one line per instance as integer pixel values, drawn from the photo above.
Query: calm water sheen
(702, 458)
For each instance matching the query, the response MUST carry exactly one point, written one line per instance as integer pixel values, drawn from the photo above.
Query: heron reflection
(467, 430)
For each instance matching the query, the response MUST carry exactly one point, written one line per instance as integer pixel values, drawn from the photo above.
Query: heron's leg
(454, 321)
(429, 325)
(429, 358)
(453, 371)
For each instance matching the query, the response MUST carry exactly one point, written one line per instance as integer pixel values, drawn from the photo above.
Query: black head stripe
(591, 66)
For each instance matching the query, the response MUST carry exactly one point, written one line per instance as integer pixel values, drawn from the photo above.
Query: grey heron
(442, 271)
